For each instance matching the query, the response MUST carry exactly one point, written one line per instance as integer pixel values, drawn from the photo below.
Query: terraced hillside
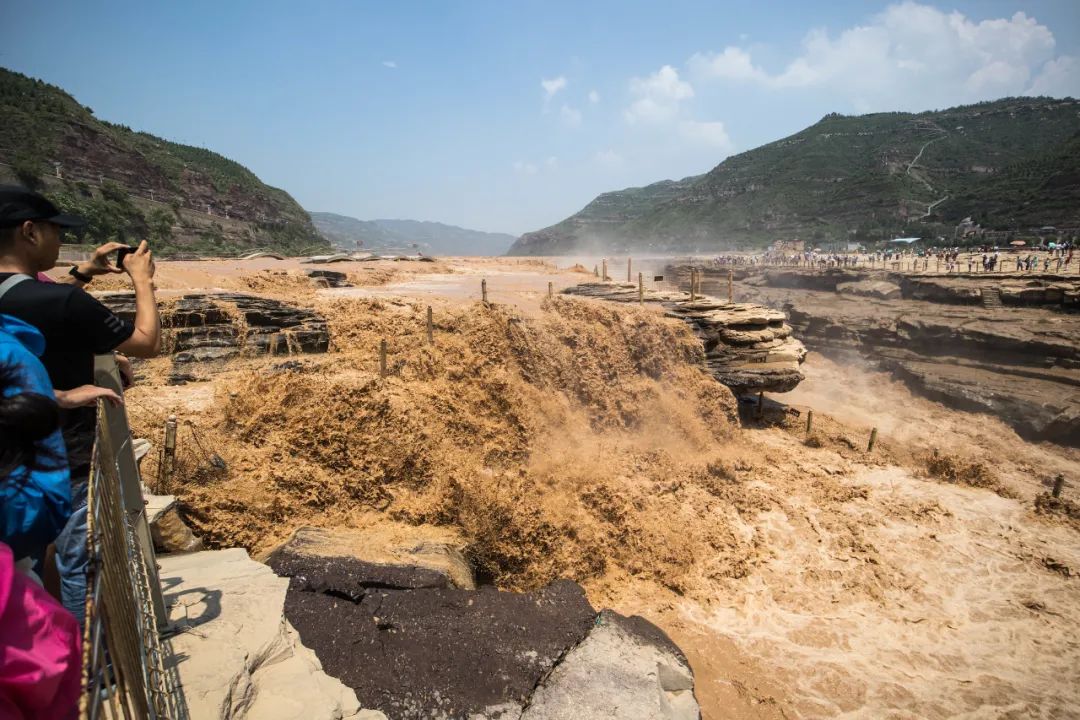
(1009, 164)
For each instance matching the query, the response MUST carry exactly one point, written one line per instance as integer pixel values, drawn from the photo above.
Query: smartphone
(122, 253)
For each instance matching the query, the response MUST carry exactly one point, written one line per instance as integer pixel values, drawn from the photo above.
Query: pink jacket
(40, 657)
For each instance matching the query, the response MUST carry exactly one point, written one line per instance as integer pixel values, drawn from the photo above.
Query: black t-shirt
(76, 327)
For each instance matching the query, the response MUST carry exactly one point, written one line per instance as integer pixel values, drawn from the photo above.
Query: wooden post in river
(629, 277)
(1059, 484)
(168, 457)
(640, 289)
(730, 287)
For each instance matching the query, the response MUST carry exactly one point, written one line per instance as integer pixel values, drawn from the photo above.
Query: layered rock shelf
(748, 347)
(1046, 291)
(207, 327)
(1003, 344)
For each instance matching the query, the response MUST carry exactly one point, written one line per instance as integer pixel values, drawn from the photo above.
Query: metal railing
(125, 673)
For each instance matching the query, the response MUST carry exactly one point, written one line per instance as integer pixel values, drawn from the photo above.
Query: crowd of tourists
(1058, 258)
(50, 331)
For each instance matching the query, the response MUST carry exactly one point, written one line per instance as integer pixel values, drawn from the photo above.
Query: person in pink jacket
(40, 656)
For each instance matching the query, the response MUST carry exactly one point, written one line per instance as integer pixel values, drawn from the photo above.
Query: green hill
(133, 185)
(1009, 164)
(409, 236)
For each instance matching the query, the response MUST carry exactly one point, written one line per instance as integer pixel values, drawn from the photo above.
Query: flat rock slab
(436, 652)
(329, 278)
(235, 656)
(390, 555)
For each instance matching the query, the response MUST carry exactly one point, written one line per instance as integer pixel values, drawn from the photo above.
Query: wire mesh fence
(125, 672)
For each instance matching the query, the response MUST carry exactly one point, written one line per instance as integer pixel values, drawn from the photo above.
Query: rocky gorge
(1004, 344)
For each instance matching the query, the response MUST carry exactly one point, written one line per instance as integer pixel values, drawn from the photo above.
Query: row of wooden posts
(695, 280)
(695, 284)
(810, 422)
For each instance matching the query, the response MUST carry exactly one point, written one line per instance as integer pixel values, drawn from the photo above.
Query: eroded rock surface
(623, 669)
(870, 288)
(748, 347)
(207, 327)
(328, 278)
(424, 650)
(1019, 363)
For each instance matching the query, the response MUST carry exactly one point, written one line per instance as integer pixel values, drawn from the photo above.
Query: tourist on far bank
(76, 327)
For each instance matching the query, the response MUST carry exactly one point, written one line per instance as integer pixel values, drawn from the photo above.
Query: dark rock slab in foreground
(435, 652)
(417, 650)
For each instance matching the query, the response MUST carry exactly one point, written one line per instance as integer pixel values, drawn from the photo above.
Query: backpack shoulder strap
(12, 282)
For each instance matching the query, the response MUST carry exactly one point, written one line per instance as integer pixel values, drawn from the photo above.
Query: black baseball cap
(17, 205)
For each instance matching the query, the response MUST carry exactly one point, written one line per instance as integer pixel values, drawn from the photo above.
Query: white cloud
(525, 168)
(658, 96)
(389, 63)
(594, 97)
(551, 87)
(1059, 77)
(569, 116)
(713, 134)
(731, 64)
(913, 56)
(608, 157)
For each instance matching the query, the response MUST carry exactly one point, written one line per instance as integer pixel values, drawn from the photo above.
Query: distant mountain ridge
(132, 185)
(349, 233)
(1009, 164)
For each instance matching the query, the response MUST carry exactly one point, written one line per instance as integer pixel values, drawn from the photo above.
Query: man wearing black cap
(76, 327)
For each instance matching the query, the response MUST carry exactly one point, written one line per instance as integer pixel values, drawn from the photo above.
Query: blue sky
(509, 116)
